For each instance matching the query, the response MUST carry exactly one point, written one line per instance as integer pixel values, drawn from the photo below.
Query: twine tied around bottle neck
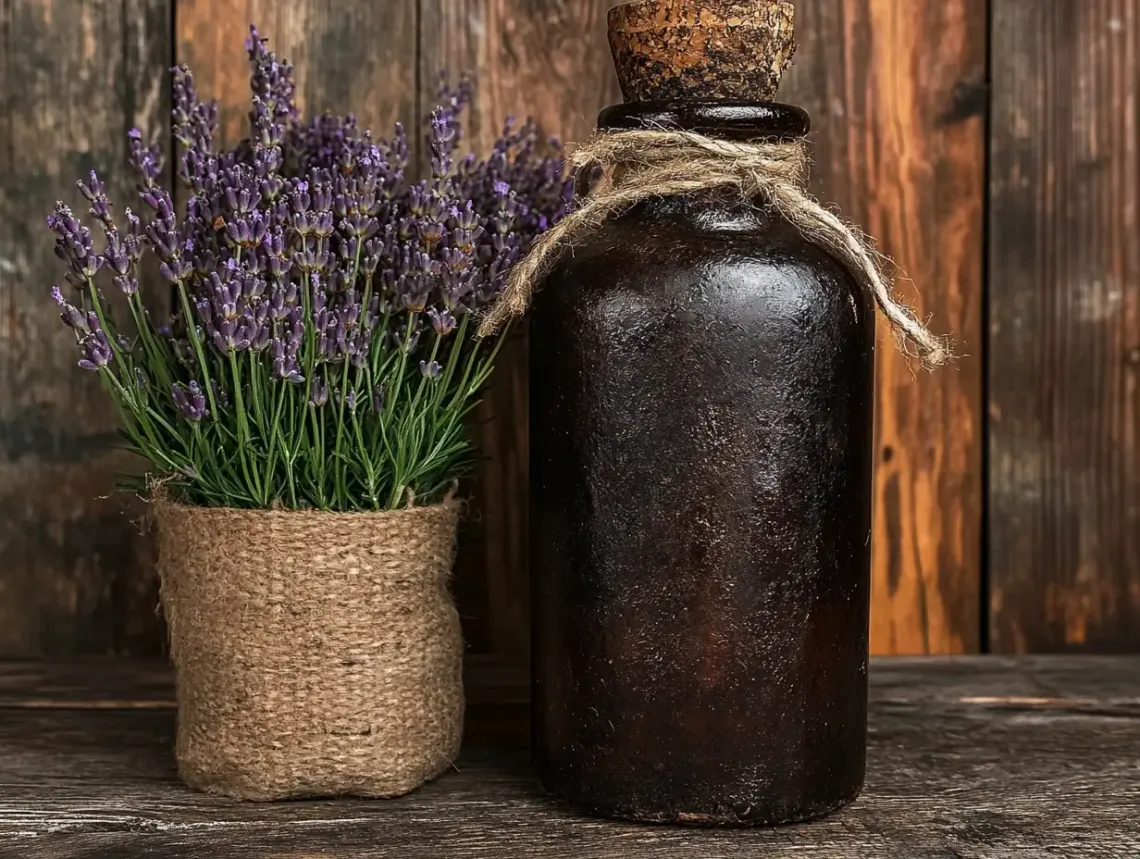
(638, 165)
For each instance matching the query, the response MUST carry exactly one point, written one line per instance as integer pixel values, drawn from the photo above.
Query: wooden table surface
(971, 757)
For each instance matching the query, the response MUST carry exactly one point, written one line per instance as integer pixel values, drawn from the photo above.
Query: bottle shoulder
(662, 252)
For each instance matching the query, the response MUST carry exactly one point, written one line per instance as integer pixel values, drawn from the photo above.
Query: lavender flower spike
(443, 321)
(146, 159)
(190, 400)
(313, 269)
(71, 315)
(319, 394)
(97, 351)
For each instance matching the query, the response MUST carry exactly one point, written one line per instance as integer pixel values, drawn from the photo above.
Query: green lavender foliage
(321, 353)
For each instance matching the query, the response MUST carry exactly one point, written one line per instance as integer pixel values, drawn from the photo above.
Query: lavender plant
(321, 353)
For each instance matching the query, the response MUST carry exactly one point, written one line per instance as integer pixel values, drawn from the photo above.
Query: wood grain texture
(114, 682)
(975, 758)
(896, 92)
(547, 59)
(75, 576)
(357, 57)
(1065, 326)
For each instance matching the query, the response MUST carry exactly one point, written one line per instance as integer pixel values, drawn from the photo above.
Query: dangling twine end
(914, 338)
(931, 351)
(941, 355)
(936, 355)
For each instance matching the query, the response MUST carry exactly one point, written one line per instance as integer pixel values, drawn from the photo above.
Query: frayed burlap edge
(317, 654)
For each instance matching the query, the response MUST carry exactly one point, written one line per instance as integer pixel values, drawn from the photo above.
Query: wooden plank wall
(898, 90)
(547, 59)
(1065, 326)
(74, 575)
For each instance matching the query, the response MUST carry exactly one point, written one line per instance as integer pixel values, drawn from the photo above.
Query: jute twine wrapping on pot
(316, 654)
(638, 165)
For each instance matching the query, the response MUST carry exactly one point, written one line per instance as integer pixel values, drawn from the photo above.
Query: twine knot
(638, 165)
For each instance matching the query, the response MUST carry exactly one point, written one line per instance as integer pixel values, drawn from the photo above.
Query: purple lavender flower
(443, 321)
(190, 401)
(175, 269)
(273, 248)
(319, 395)
(241, 200)
(309, 243)
(442, 142)
(285, 365)
(249, 231)
(271, 80)
(115, 257)
(71, 315)
(73, 246)
(193, 122)
(96, 194)
(146, 159)
(406, 343)
(97, 351)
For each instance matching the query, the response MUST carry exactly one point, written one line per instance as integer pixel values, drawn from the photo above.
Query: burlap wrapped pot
(316, 654)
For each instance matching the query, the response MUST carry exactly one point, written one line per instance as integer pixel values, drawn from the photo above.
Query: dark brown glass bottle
(701, 413)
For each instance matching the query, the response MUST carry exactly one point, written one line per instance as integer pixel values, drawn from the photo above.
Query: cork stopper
(689, 50)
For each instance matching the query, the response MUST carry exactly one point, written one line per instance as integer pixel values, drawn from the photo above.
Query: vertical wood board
(1065, 326)
(896, 92)
(75, 576)
(547, 59)
(896, 89)
(357, 57)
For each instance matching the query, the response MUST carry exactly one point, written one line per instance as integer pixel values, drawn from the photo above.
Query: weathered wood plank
(979, 758)
(110, 683)
(74, 573)
(356, 56)
(1065, 312)
(547, 59)
(896, 92)
(106, 683)
(101, 682)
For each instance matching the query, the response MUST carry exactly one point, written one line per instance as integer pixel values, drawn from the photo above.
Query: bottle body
(701, 413)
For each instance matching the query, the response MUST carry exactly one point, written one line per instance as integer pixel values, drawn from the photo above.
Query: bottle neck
(738, 121)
